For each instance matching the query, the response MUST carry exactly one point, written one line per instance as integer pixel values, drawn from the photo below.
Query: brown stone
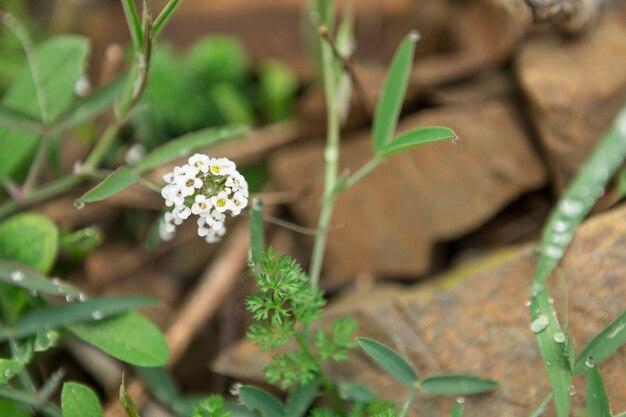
(474, 320)
(574, 86)
(389, 222)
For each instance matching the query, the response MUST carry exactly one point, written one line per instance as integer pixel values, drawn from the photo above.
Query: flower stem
(407, 403)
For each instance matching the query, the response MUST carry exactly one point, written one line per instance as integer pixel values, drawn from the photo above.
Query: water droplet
(460, 400)
(590, 362)
(79, 204)
(559, 337)
(234, 389)
(551, 300)
(561, 226)
(70, 298)
(554, 252)
(600, 192)
(82, 297)
(527, 303)
(34, 293)
(456, 140)
(8, 373)
(561, 238)
(415, 36)
(572, 390)
(571, 208)
(97, 315)
(536, 289)
(602, 174)
(540, 323)
(17, 275)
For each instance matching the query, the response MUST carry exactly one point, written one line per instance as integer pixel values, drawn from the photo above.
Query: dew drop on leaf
(17, 275)
(540, 323)
(559, 337)
(590, 362)
(79, 204)
(456, 140)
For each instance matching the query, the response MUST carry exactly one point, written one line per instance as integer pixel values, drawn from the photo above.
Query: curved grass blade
(416, 137)
(134, 24)
(575, 204)
(117, 181)
(129, 337)
(127, 402)
(542, 407)
(597, 399)
(457, 384)
(301, 399)
(48, 410)
(77, 400)
(392, 96)
(458, 409)
(30, 279)
(263, 402)
(604, 344)
(390, 361)
(51, 317)
(185, 144)
(164, 16)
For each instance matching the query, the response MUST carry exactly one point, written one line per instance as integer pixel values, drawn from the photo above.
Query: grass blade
(457, 385)
(164, 16)
(133, 22)
(263, 402)
(116, 182)
(416, 137)
(390, 361)
(597, 399)
(51, 317)
(392, 96)
(188, 143)
(542, 407)
(77, 400)
(604, 344)
(458, 409)
(30, 279)
(301, 399)
(127, 402)
(575, 204)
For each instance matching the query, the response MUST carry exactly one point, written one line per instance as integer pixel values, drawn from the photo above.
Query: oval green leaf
(30, 279)
(392, 97)
(257, 399)
(129, 337)
(597, 398)
(51, 317)
(416, 137)
(184, 145)
(349, 391)
(30, 239)
(79, 401)
(604, 344)
(390, 361)
(117, 181)
(301, 398)
(457, 384)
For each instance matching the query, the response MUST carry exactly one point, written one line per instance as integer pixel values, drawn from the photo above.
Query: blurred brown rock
(389, 222)
(574, 86)
(474, 320)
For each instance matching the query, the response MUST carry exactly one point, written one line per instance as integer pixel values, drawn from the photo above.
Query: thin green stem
(362, 172)
(102, 147)
(329, 387)
(407, 403)
(331, 156)
(37, 165)
(134, 24)
(164, 16)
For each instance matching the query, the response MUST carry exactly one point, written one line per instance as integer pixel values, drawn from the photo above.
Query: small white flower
(202, 206)
(82, 86)
(135, 154)
(215, 236)
(200, 161)
(221, 166)
(171, 220)
(182, 212)
(221, 202)
(237, 182)
(216, 220)
(169, 193)
(239, 203)
(187, 180)
(169, 178)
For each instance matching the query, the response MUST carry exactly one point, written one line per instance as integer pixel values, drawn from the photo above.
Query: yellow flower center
(189, 183)
(216, 169)
(202, 206)
(221, 202)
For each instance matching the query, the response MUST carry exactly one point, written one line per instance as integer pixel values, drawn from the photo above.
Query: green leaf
(390, 361)
(118, 181)
(301, 399)
(62, 62)
(11, 367)
(30, 279)
(457, 384)
(51, 317)
(182, 146)
(91, 106)
(48, 410)
(392, 97)
(597, 399)
(160, 384)
(257, 238)
(127, 402)
(231, 104)
(80, 243)
(542, 407)
(130, 338)
(30, 239)
(416, 137)
(17, 119)
(12, 408)
(263, 402)
(79, 401)
(458, 409)
(278, 86)
(359, 393)
(604, 344)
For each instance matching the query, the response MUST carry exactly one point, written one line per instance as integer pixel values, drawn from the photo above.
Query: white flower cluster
(208, 188)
